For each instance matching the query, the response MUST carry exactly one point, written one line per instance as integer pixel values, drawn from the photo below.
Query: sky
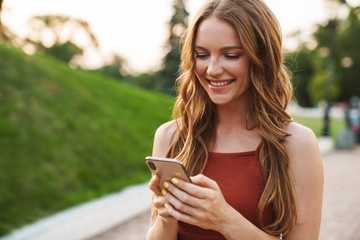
(137, 29)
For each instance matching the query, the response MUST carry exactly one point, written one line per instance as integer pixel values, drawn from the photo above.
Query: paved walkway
(341, 207)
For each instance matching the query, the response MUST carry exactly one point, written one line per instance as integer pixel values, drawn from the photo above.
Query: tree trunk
(1, 2)
(1, 28)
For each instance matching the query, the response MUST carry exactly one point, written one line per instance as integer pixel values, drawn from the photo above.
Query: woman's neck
(233, 131)
(233, 116)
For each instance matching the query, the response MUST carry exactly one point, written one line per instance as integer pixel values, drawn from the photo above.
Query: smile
(220, 83)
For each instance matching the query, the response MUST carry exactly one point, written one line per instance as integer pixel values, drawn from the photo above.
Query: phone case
(167, 168)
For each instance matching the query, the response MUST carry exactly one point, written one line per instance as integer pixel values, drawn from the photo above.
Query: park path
(341, 211)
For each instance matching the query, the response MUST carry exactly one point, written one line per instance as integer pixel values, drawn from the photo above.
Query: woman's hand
(159, 201)
(200, 203)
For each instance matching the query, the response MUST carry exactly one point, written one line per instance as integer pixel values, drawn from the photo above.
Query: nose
(214, 67)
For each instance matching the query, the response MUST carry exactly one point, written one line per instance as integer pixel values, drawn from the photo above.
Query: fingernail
(154, 177)
(163, 192)
(166, 205)
(166, 184)
(174, 180)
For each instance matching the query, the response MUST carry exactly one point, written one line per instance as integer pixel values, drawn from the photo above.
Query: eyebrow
(222, 49)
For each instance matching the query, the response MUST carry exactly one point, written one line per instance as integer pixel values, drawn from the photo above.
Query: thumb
(203, 181)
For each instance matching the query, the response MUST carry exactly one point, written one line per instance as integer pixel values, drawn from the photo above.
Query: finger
(182, 196)
(180, 201)
(154, 185)
(203, 181)
(160, 203)
(190, 188)
(164, 213)
(180, 216)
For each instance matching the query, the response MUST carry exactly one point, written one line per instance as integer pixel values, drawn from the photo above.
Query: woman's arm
(202, 203)
(163, 226)
(307, 174)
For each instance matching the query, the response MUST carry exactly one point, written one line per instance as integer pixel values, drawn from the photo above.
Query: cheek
(200, 77)
(240, 68)
(200, 67)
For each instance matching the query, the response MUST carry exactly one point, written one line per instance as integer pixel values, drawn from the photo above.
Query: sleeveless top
(241, 182)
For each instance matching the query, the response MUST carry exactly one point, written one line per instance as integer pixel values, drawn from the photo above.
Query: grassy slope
(67, 136)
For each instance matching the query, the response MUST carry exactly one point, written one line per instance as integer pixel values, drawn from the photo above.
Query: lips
(220, 83)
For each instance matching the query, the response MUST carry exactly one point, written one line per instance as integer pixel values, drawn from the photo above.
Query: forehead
(213, 31)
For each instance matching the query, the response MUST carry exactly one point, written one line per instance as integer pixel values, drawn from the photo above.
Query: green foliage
(68, 136)
(338, 52)
(177, 27)
(114, 69)
(326, 75)
(60, 32)
(330, 71)
(300, 63)
(170, 71)
(150, 81)
(64, 52)
(348, 62)
(6, 35)
(58, 26)
(317, 86)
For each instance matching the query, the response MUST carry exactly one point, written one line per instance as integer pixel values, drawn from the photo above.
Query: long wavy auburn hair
(195, 114)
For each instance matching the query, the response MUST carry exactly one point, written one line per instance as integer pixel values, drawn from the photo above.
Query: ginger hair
(271, 92)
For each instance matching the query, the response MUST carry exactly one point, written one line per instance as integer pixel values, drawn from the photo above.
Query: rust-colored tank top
(242, 184)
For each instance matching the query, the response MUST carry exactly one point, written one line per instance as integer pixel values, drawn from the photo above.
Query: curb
(326, 145)
(90, 219)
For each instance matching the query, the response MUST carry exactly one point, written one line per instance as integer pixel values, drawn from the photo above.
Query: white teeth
(218, 84)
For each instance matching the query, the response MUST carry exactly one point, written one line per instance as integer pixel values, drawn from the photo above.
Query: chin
(219, 101)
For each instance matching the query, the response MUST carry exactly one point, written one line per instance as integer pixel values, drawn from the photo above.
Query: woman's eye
(201, 55)
(232, 56)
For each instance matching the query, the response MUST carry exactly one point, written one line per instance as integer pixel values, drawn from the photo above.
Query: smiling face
(221, 64)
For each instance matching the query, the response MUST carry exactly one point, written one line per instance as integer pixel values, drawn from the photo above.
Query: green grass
(68, 136)
(317, 124)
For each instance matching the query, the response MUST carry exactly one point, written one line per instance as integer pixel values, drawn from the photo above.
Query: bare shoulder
(304, 155)
(163, 137)
(302, 140)
(166, 131)
(306, 172)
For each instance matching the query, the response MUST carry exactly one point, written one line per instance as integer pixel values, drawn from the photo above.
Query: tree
(1, 4)
(334, 82)
(330, 71)
(348, 61)
(301, 65)
(55, 35)
(6, 36)
(343, 50)
(177, 27)
(64, 51)
(148, 81)
(327, 48)
(114, 69)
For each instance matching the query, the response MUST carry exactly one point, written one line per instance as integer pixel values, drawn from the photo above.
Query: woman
(257, 174)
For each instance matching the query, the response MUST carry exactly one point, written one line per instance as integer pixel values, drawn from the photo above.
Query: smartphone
(167, 168)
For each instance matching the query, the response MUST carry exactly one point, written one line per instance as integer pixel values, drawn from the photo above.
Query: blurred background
(84, 85)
